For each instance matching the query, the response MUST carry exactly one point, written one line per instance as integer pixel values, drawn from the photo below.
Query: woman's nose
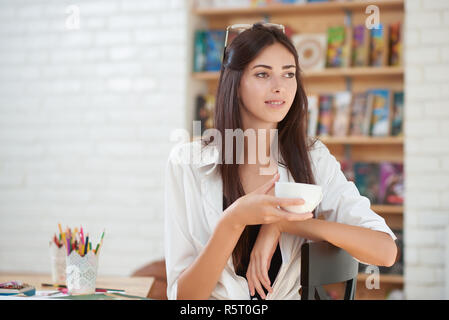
(277, 85)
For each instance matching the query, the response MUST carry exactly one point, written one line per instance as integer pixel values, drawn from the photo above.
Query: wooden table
(136, 286)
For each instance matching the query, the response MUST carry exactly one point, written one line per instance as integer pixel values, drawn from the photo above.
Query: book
(335, 46)
(258, 3)
(391, 185)
(397, 114)
(204, 111)
(16, 287)
(360, 115)
(379, 46)
(366, 179)
(360, 46)
(342, 115)
(395, 58)
(347, 167)
(214, 40)
(380, 121)
(311, 50)
(201, 113)
(347, 47)
(210, 107)
(290, 1)
(199, 56)
(325, 115)
(312, 115)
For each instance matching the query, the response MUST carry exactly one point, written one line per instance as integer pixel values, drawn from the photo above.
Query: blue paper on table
(16, 287)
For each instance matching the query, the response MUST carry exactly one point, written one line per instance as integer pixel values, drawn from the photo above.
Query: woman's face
(268, 87)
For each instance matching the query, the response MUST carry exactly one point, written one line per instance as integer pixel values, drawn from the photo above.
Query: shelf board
(206, 75)
(359, 140)
(384, 278)
(387, 209)
(326, 73)
(362, 140)
(356, 72)
(298, 8)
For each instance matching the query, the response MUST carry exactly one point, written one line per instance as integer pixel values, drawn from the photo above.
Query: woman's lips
(275, 104)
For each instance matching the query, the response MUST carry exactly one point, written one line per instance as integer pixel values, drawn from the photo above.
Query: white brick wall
(85, 118)
(85, 121)
(426, 148)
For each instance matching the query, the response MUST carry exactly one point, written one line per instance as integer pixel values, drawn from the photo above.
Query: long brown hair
(293, 143)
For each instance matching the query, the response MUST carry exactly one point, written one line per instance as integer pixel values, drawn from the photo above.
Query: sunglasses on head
(240, 27)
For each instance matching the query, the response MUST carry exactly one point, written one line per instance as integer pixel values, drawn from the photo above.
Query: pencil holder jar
(58, 263)
(81, 273)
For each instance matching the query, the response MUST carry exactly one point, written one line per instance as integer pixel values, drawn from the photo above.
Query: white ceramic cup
(311, 193)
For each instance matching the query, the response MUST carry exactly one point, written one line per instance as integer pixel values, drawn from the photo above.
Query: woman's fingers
(256, 282)
(283, 202)
(263, 274)
(250, 281)
(260, 274)
(257, 275)
(291, 216)
(253, 281)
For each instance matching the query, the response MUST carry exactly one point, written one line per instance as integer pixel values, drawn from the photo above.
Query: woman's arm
(366, 245)
(201, 277)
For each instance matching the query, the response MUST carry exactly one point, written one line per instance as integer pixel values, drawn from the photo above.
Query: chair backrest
(323, 263)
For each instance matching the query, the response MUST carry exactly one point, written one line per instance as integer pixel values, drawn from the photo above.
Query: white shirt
(194, 205)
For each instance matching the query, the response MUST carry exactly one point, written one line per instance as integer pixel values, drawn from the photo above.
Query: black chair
(323, 263)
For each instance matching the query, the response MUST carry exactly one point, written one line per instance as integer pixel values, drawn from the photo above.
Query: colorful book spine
(342, 108)
(391, 186)
(199, 56)
(335, 46)
(395, 44)
(367, 180)
(214, 49)
(325, 115)
(397, 114)
(360, 46)
(380, 123)
(379, 47)
(360, 115)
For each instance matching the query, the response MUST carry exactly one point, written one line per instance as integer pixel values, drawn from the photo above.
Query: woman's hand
(260, 259)
(258, 207)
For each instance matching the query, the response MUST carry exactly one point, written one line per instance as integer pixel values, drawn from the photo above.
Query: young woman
(225, 234)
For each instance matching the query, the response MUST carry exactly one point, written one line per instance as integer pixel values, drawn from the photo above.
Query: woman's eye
(264, 75)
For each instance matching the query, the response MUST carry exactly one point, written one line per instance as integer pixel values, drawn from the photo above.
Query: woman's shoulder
(192, 153)
(180, 152)
(317, 149)
(321, 160)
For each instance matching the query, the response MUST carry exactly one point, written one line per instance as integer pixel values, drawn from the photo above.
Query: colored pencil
(87, 241)
(74, 240)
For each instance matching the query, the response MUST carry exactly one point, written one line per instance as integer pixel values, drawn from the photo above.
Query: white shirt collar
(210, 154)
